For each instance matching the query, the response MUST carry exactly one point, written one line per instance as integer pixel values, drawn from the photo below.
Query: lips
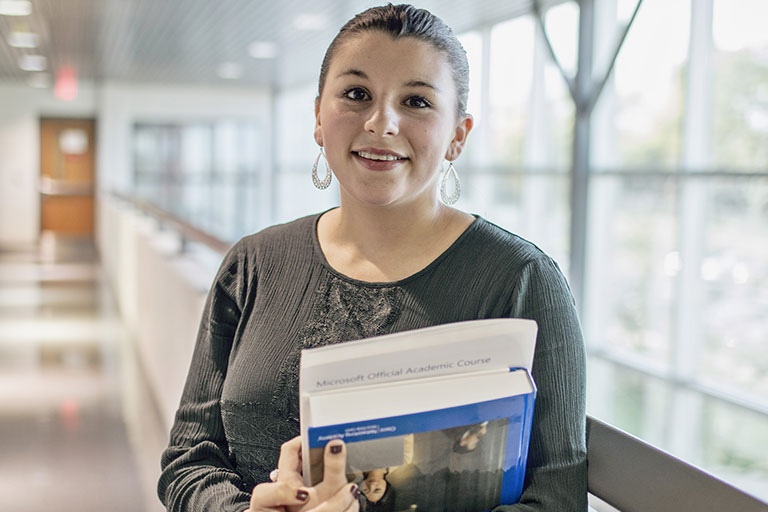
(379, 159)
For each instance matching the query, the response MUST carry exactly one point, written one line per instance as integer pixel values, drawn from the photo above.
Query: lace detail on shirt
(254, 435)
(343, 312)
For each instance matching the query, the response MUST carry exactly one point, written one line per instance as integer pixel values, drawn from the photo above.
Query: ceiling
(187, 41)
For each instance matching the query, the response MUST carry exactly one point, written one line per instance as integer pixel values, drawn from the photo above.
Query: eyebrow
(411, 83)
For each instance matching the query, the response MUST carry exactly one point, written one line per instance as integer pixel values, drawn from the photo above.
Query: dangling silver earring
(450, 199)
(325, 183)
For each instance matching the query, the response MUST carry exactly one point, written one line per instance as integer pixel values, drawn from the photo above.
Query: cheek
(434, 140)
(336, 128)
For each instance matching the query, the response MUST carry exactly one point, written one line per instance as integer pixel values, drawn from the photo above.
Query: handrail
(187, 231)
(633, 476)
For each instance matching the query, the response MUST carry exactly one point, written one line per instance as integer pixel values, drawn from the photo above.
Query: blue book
(434, 419)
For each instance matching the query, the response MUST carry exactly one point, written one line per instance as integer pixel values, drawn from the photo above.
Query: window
(207, 173)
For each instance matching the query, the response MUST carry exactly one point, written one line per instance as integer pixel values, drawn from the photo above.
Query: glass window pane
(740, 84)
(644, 99)
(633, 261)
(509, 89)
(734, 272)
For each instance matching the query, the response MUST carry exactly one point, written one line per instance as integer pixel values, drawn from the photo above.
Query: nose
(383, 120)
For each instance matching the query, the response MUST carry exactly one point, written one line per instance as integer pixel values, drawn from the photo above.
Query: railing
(632, 476)
(186, 231)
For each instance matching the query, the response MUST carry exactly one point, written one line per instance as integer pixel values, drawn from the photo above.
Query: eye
(356, 94)
(417, 102)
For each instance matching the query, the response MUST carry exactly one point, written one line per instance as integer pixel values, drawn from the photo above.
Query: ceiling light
(310, 21)
(23, 39)
(230, 70)
(15, 7)
(39, 80)
(263, 50)
(33, 63)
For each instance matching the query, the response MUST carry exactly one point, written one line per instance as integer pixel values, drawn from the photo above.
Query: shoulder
(296, 232)
(500, 259)
(489, 244)
(266, 249)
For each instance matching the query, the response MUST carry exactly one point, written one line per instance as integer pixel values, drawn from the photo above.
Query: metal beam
(601, 84)
(580, 153)
(539, 15)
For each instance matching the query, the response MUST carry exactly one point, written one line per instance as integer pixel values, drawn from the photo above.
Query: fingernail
(336, 449)
(355, 490)
(302, 495)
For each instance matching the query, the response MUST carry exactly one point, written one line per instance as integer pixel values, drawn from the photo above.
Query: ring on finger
(273, 475)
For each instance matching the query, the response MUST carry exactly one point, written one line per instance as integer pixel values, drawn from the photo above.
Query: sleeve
(556, 475)
(197, 473)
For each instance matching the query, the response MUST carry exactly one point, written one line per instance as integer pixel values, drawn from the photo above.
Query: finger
(345, 499)
(335, 464)
(355, 505)
(277, 494)
(289, 463)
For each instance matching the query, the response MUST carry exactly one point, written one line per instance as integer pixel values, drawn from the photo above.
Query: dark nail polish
(355, 491)
(302, 495)
(336, 449)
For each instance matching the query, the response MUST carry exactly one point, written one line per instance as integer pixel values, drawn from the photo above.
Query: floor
(78, 429)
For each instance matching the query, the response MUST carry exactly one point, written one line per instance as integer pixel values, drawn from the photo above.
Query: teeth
(373, 156)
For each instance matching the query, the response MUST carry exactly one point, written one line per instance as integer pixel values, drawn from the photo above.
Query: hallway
(78, 429)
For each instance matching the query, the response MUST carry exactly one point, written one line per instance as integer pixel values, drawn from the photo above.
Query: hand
(289, 494)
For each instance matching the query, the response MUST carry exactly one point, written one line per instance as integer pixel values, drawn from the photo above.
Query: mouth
(379, 155)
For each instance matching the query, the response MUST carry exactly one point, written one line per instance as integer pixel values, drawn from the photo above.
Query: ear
(318, 131)
(456, 146)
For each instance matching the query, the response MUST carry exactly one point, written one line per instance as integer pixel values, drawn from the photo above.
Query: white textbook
(436, 418)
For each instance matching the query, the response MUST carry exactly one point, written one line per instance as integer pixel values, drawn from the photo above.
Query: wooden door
(67, 176)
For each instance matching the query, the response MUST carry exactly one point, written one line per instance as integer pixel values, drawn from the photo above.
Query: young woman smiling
(390, 112)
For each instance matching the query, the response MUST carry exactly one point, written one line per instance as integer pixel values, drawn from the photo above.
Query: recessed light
(39, 80)
(33, 63)
(230, 70)
(15, 7)
(263, 50)
(310, 21)
(23, 39)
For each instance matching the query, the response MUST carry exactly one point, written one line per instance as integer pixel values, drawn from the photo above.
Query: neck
(373, 229)
(384, 244)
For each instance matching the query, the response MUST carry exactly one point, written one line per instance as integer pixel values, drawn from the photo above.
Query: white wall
(160, 292)
(21, 107)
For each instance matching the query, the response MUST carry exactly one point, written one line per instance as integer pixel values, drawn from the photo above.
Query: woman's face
(387, 119)
(374, 486)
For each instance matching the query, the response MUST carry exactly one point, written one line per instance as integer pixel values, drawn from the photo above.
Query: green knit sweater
(275, 294)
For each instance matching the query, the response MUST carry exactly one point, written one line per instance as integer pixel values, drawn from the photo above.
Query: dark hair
(407, 21)
(385, 504)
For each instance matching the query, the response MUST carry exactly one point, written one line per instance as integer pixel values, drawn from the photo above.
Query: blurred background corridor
(71, 435)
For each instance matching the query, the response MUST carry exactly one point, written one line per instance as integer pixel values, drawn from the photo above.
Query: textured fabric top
(276, 294)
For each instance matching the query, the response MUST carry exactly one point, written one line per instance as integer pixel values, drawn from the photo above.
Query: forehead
(405, 57)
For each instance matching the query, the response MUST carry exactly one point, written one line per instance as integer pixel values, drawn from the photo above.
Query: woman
(378, 495)
(390, 109)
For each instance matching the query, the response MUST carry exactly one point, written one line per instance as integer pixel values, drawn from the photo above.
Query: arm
(197, 472)
(556, 476)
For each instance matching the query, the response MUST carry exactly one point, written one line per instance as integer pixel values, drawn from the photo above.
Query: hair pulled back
(403, 20)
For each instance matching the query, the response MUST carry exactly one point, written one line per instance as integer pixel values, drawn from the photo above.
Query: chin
(380, 199)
